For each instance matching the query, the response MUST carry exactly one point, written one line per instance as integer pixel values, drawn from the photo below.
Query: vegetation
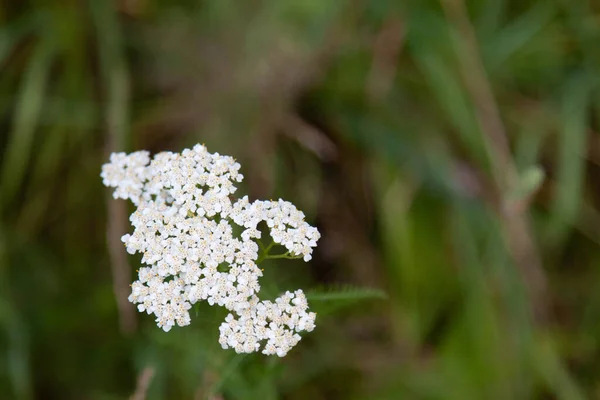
(447, 150)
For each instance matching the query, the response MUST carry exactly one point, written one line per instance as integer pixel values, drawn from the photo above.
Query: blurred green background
(447, 150)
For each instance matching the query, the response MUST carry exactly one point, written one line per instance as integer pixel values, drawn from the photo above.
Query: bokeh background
(446, 149)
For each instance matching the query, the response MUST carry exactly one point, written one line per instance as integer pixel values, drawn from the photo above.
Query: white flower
(276, 323)
(127, 174)
(185, 229)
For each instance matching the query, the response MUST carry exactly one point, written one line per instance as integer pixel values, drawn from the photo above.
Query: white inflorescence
(184, 228)
(264, 320)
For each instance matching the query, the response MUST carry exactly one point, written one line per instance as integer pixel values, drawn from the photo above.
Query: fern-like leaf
(326, 300)
(344, 293)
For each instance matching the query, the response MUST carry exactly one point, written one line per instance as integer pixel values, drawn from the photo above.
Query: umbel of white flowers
(184, 228)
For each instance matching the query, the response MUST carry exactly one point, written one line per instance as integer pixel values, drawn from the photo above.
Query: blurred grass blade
(510, 39)
(492, 16)
(115, 81)
(445, 86)
(17, 361)
(555, 375)
(439, 70)
(11, 34)
(572, 142)
(18, 355)
(114, 73)
(28, 107)
(530, 141)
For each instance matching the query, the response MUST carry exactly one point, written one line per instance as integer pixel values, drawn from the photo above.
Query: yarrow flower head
(186, 226)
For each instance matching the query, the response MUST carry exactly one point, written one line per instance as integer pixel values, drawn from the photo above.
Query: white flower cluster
(200, 245)
(275, 322)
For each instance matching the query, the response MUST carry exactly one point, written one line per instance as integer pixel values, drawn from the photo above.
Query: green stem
(265, 251)
(269, 247)
(285, 255)
(266, 256)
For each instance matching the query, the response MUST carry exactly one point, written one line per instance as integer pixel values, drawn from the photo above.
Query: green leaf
(327, 300)
(345, 293)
